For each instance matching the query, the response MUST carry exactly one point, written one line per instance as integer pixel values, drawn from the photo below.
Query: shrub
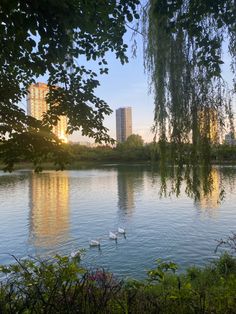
(62, 285)
(226, 265)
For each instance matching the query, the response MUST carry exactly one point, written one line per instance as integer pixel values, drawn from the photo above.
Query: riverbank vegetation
(64, 286)
(148, 152)
(76, 155)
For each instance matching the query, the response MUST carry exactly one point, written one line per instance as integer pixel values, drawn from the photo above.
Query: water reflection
(128, 182)
(210, 199)
(12, 179)
(125, 185)
(49, 208)
(202, 184)
(228, 177)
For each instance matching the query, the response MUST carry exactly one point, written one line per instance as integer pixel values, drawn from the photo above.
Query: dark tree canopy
(183, 54)
(50, 37)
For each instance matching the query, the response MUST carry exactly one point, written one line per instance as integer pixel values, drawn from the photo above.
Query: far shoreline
(82, 165)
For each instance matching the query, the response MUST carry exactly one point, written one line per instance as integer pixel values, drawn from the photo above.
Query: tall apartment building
(123, 124)
(208, 124)
(37, 106)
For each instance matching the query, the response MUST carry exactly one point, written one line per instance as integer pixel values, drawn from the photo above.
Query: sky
(126, 86)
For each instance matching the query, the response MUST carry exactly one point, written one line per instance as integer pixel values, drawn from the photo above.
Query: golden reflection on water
(49, 208)
(210, 200)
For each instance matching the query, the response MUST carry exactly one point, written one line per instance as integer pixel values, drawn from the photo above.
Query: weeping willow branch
(183, 55)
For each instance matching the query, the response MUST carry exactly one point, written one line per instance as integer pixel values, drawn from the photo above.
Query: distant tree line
(147, 152)
(133, 150)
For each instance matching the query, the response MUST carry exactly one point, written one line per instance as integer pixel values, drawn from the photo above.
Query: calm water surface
(56, 212)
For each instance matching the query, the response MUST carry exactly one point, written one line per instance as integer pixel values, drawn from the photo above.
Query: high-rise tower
(37, 106)
(123, 124)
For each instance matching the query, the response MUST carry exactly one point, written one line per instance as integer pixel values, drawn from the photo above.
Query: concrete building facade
(123, 124)
(37, 106)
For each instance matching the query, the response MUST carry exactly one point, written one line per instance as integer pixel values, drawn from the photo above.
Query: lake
(57, 212)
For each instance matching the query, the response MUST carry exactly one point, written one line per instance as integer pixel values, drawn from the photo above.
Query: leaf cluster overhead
(55, 38)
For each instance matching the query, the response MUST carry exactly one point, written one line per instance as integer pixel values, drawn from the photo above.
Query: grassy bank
(63, 286)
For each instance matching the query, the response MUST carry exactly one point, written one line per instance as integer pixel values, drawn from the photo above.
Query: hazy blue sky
(126, 85)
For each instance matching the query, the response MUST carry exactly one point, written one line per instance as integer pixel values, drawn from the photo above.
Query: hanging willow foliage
(183, 42)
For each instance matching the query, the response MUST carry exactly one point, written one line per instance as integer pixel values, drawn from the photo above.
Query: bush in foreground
(64, 286)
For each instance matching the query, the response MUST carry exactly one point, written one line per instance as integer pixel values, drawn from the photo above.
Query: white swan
(94, 243)
(121, 230)
(74, 254)
(112, 236)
